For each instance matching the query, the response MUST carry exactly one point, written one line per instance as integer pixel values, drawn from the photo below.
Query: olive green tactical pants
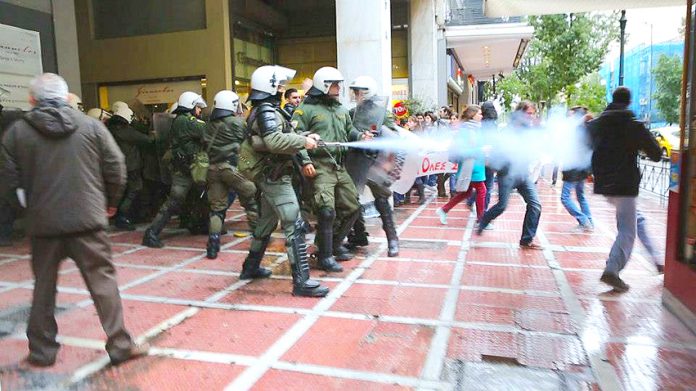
(223, 178)
(181, 184)
(333, 188)
(277, 202)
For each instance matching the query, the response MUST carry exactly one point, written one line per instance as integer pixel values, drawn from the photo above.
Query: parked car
(668, 139)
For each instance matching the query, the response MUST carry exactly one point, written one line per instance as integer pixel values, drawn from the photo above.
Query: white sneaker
(443, 216)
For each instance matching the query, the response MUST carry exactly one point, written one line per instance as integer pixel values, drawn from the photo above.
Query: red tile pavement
(160, 373)
(417, 272)
(365, 345)
(239, 332)
(294, 381)
(183, 285)
(392, 300)
(508, 306)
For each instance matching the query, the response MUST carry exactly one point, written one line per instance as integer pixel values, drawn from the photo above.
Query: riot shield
(367, 117)
(162, 124)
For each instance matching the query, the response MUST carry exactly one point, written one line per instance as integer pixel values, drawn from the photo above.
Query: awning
(502, 8)
(486, 50)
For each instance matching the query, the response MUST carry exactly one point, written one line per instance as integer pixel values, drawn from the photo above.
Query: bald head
(48, 86)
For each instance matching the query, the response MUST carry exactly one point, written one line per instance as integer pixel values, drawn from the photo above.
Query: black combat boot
(358, 236)
(213, 247)
(385, 213)
(122, 222)
(252, 264)
(302, 285)
(324, 237)
(151, 236)
(150, 239)
(339, 250)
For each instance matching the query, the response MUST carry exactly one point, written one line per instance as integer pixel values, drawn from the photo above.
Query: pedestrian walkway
(454, 311)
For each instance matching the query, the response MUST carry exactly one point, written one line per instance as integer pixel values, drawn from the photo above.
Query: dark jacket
(224, 137)
(69, 166)
(129, 140)
(616, 139)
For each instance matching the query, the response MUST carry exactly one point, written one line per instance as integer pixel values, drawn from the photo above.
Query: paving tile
(637, 321)
(163, 373)
(182, 285)
(498, 235)
(440, 252)
(365, 345)
(392, 300)
(586, 240)
(16, 271)
(139, 317)
(240, 332)
(433, 233)
(649, 367)
(272, 292)
(14, 298)
(541, 351)
(587, 284)
(294, 381)
(19, 247)
(417, 272)
(17, 374)
(227, 262)
(156, 257)
(510, 300)
(506, 256)
(124, 275)
(509, 278)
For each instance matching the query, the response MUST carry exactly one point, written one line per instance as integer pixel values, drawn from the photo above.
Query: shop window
(129, 18)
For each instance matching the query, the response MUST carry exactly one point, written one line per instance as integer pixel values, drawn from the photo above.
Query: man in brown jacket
(71, 170)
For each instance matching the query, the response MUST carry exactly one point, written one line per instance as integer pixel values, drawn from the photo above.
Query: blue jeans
(490, 178)
(582, 214)
(432, 180)
(629, 223)
(528, 191)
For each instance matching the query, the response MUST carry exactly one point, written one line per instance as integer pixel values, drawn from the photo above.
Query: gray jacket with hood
(69, 166)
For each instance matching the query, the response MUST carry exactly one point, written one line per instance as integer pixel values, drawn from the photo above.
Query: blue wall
(638, 77)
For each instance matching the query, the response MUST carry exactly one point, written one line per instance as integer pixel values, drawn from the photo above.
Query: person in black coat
(617, 137)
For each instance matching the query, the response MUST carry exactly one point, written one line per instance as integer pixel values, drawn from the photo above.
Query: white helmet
(226, 100)
(366, 84)
(99, 114)
(266, 79)
(189, 100)
(125, 113)
(118, 105)
(324, 77)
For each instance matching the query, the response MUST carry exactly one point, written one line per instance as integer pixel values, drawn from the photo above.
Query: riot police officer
(187, 139)
(266, 157)
(130, 141)
(224, 134)
(335, 198)
(363, 89)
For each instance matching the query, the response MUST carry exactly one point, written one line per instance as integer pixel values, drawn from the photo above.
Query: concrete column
(427, 56)
(363, 42)
(65, 28)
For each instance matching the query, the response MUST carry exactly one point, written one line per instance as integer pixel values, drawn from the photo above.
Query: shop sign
(153, 93)
(20, 51)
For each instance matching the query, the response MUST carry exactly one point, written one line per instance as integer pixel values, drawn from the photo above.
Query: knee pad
(328, 214)
(218, 213)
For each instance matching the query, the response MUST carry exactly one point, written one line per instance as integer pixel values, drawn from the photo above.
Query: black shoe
(40, 362)
(259, 272)
(614, 281)
(309, 288)
(342, 254)
(252, 266)
(121, 222)
(150, 239)
(358, 240)
(213, 247)
(660, 269)
(330, 265)
(393, 248)
(134, 352)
